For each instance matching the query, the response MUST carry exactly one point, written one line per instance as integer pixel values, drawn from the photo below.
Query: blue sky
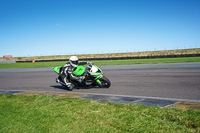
(63, 27)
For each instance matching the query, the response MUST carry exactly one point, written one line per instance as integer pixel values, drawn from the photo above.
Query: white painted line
(138, 101)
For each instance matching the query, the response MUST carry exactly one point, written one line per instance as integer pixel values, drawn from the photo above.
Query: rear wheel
(105, 82)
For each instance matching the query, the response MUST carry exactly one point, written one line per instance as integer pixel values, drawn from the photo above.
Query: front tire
(105, 82)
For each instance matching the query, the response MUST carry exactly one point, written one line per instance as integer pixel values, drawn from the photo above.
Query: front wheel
(105, 82)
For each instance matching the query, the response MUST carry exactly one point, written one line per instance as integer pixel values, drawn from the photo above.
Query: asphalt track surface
(171, 81)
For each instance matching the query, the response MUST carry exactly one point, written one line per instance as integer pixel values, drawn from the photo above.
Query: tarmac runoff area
(147, 101)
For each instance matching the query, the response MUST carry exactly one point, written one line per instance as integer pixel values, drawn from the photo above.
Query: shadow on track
(65, 88)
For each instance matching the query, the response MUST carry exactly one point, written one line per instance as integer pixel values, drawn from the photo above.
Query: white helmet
(73, 60)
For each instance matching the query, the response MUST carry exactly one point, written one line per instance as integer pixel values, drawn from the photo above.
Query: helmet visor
(75, 62)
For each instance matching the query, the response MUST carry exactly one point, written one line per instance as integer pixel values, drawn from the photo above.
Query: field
(110, 55)
(104, 62)
(20, 113)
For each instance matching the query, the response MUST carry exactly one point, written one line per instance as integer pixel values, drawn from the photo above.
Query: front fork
(97, 79)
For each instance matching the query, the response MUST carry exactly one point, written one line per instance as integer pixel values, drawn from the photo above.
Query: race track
(172, 80)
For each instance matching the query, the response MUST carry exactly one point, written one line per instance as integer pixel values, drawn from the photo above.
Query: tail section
(57, 69)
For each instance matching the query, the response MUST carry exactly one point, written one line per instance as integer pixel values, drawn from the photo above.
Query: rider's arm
(72, 76)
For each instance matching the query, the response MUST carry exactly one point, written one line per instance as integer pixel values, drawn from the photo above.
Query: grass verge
(104, 62)
(111, 55)
(19, 113)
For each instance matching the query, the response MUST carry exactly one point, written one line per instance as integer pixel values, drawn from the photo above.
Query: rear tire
(105, 82)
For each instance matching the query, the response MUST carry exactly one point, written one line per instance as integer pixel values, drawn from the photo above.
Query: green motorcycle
(93, 76)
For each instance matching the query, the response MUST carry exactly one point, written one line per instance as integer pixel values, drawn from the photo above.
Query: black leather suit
(67, 73)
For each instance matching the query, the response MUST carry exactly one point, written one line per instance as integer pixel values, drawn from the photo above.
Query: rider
(67, 72)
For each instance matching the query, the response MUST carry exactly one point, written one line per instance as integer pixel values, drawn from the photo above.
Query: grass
(148, 61)
(19, 113)
(110, 55)
(32, 65)
(104, 62)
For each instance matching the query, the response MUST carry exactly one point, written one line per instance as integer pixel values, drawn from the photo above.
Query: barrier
(7, 62)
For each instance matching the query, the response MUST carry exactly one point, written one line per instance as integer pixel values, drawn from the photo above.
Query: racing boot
(70, 86)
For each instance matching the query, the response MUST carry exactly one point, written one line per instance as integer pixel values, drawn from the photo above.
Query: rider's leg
(62, 78)
(63, 75)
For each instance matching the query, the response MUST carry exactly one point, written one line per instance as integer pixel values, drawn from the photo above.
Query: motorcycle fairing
(79, 70)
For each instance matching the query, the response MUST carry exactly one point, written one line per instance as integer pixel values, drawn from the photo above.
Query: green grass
(32, 65)
(104, 62)
(110, 55)
(148, 61)
(19, 113)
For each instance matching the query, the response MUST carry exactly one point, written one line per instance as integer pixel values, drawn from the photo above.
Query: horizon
(104, 53)
(64, 27)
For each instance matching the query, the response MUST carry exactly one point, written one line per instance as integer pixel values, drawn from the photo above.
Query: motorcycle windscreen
(79, 70)
(95, 71)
